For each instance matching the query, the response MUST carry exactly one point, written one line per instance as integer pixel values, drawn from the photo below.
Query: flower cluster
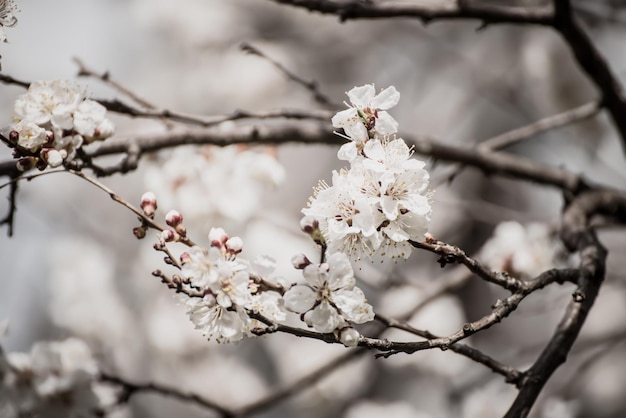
(55, 379)
(230, 289)
(200, 181)
(522, 250)
(53, 120)
(381, 202)
(7, 17)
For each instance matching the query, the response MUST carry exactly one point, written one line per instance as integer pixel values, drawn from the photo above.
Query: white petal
(357, 131)
(385, 124)
(324, 318)
(389, 206)
(345, 117)
(300, 298)
(347, 152)
(386, 99)
(362, 96)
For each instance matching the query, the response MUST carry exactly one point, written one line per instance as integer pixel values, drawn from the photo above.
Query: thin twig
(130, 388)
(145, 219)
(312, 86)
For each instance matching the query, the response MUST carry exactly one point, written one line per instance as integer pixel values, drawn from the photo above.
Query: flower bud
(139, 232)
(148, 204)
(309, 224)
(185, 258)
(217, 237)
(175, 220)
(14, 137)
(167, 235)
(53, 157)
(26, 163)
(234, 245)
(349, 337)
(300, 261)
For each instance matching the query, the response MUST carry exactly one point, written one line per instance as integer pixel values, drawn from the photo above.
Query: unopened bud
(300, 261)
(349, 337)
(14, 137)
(234, 245)
(175, 220)
(53, 157)
(309, 224)
(217, 237)
(167, 235)
(185, 258)
(148, 204)
(139, 232)
(26, 163)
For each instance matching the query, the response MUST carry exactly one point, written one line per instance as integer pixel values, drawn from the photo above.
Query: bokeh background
(73, 267)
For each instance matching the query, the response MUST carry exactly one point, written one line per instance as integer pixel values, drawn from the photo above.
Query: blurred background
(74, 268)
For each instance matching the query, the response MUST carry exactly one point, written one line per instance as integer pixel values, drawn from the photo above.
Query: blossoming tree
(361, 230)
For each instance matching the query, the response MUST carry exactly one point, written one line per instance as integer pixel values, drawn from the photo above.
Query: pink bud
(217, 237)
(234, 245)
(185, 258)
(300, 261)
(148, 203)
(173, 218)
(168, 235)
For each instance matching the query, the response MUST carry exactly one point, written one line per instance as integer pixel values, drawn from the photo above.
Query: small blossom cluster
(53, 120)
(56, 379)
(522, 250)
(230, 291)
(7, 17)
(381, 201)
(200, 181)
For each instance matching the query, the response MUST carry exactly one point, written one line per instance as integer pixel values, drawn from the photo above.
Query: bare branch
(594, 64)
(130, 388)
(312, 86)
(489, 13)
(577, 235)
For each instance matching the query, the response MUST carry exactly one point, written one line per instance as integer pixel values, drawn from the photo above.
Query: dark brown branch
(130, 388)
(10, 80)
(313, 132)
(489, 13)
(594, 64)
(450, 254)
(510, 374)
(577, 236)
(207, 121)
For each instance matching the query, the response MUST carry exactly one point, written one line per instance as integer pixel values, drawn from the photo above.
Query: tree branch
(576, 235)
(489, 13)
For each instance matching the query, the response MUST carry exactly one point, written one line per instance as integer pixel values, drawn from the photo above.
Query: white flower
(330, 299)
(90, 121)
(49, 102)
(215, 321)
(7, 17)
(368, 112)
(348, 219)
(31, 135)
(56, 379)
(520, 249)
(217, 182)
(201, 268)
